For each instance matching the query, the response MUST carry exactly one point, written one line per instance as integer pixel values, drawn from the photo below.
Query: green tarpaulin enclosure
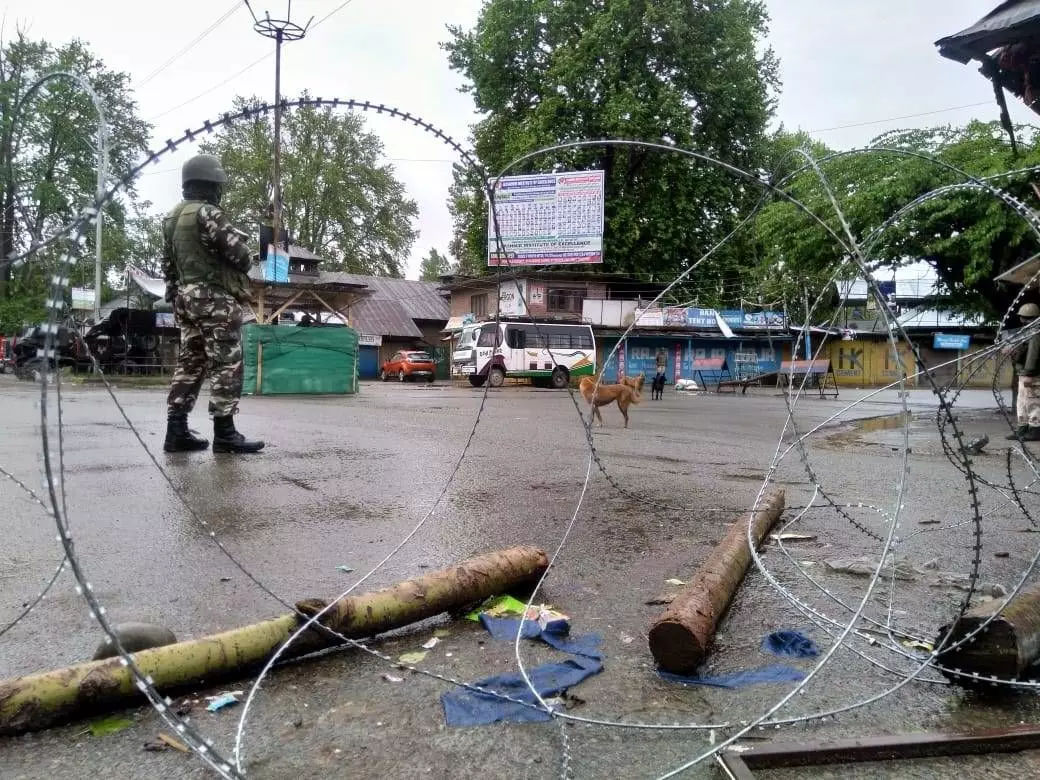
(283, 360)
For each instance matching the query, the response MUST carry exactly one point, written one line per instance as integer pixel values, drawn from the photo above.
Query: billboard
(547, 219)
(709, 319)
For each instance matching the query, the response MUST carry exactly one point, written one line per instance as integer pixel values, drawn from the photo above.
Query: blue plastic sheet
(765, 674)
(586, 645)
(465, 707)
(792, 644)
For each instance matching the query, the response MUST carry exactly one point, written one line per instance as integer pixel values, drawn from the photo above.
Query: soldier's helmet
(1030, 310)
(203, 167)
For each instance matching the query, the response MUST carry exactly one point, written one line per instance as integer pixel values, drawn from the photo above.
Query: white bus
(547, 353)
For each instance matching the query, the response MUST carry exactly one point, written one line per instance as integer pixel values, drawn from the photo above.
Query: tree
(341, 202)
(969, 237)
(48, 161)
(433, 266)
(545, 72)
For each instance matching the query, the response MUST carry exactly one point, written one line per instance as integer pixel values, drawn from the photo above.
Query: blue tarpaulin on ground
(465, 707)
(505, 629)
(766, 674)
(792, 644)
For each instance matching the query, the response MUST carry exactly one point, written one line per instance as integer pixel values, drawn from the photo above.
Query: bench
(816, 374)
(715, 367)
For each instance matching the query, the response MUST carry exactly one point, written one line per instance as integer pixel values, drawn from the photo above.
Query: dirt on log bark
(42, 700)
(681, 635)
(1007, 647)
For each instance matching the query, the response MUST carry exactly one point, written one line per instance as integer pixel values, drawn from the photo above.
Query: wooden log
(681, 635)
(42, 700)
(1006, 648)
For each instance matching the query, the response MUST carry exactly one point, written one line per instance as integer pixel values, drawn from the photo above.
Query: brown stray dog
(635, 382)
(625, 395)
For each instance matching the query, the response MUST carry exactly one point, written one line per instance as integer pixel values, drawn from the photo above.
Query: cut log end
(676, 648)
(680, 637)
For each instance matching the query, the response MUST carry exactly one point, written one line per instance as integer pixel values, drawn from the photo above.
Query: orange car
(408, 364)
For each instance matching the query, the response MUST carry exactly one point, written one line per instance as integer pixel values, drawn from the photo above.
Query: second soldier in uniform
(205, 262)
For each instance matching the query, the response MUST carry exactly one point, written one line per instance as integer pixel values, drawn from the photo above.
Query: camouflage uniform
(1027, 364)
(205, 260)
(208, 309)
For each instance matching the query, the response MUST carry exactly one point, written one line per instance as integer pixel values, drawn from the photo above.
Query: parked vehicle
(408, 364)
(6, 355)
(125, 342)
(69, 350)
(547, 353)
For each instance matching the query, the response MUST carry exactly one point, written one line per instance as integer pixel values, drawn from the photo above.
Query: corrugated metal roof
(375, 317)
(419, 300)
(1006, 23)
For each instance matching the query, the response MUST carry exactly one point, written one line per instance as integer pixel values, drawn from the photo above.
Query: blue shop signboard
(951, 341)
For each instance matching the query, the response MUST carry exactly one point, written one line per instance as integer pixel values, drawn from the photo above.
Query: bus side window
(516, 338)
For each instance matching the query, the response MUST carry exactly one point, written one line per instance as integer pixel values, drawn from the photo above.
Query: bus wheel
(560, 378)
(497, 376)
(477, 381)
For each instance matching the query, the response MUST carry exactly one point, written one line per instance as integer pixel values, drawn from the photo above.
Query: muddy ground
(344, 479)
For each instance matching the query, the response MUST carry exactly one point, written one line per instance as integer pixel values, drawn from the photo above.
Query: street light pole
(280, 31)
(102, 178)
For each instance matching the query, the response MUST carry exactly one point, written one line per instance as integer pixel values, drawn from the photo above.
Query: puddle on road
(856, 431)
(886, 423)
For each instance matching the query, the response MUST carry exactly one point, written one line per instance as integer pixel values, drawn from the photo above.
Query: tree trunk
(681, 636)
(42, 700)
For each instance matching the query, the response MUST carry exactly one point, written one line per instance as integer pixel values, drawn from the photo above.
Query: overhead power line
(899, 118)
(249, 67)
(191, 45)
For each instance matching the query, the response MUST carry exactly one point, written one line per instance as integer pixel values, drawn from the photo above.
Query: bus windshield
(490, 336)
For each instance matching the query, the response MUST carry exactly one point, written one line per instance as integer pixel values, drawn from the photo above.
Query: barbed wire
(843, 630)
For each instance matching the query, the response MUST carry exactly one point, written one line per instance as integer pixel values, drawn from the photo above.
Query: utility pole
(280, 31)
(102, 159)
(102, 179)
(808, 332)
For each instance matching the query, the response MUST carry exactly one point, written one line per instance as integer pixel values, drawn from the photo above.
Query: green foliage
(433, 266)
(340, 201)
(48, 161)
(687, 74)
(969, 237)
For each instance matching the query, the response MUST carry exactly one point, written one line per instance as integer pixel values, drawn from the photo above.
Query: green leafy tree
(969, 237)
(691, 75)
(340, 201)
(433, 266)
(48, 160)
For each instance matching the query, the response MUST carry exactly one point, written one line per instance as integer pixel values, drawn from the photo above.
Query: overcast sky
(845, 64)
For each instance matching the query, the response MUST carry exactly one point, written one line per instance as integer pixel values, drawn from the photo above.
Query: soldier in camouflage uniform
(205, 261)
(1027, 365)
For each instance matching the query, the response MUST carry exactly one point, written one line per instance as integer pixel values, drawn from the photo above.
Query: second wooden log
(680, 637)
(1006, 648)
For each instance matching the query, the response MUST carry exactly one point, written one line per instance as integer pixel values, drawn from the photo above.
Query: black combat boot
(179, 438)
(227, 439)
(1032, 433)
(1019, 432)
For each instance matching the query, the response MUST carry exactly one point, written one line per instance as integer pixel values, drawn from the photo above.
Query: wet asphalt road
(344, 479)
